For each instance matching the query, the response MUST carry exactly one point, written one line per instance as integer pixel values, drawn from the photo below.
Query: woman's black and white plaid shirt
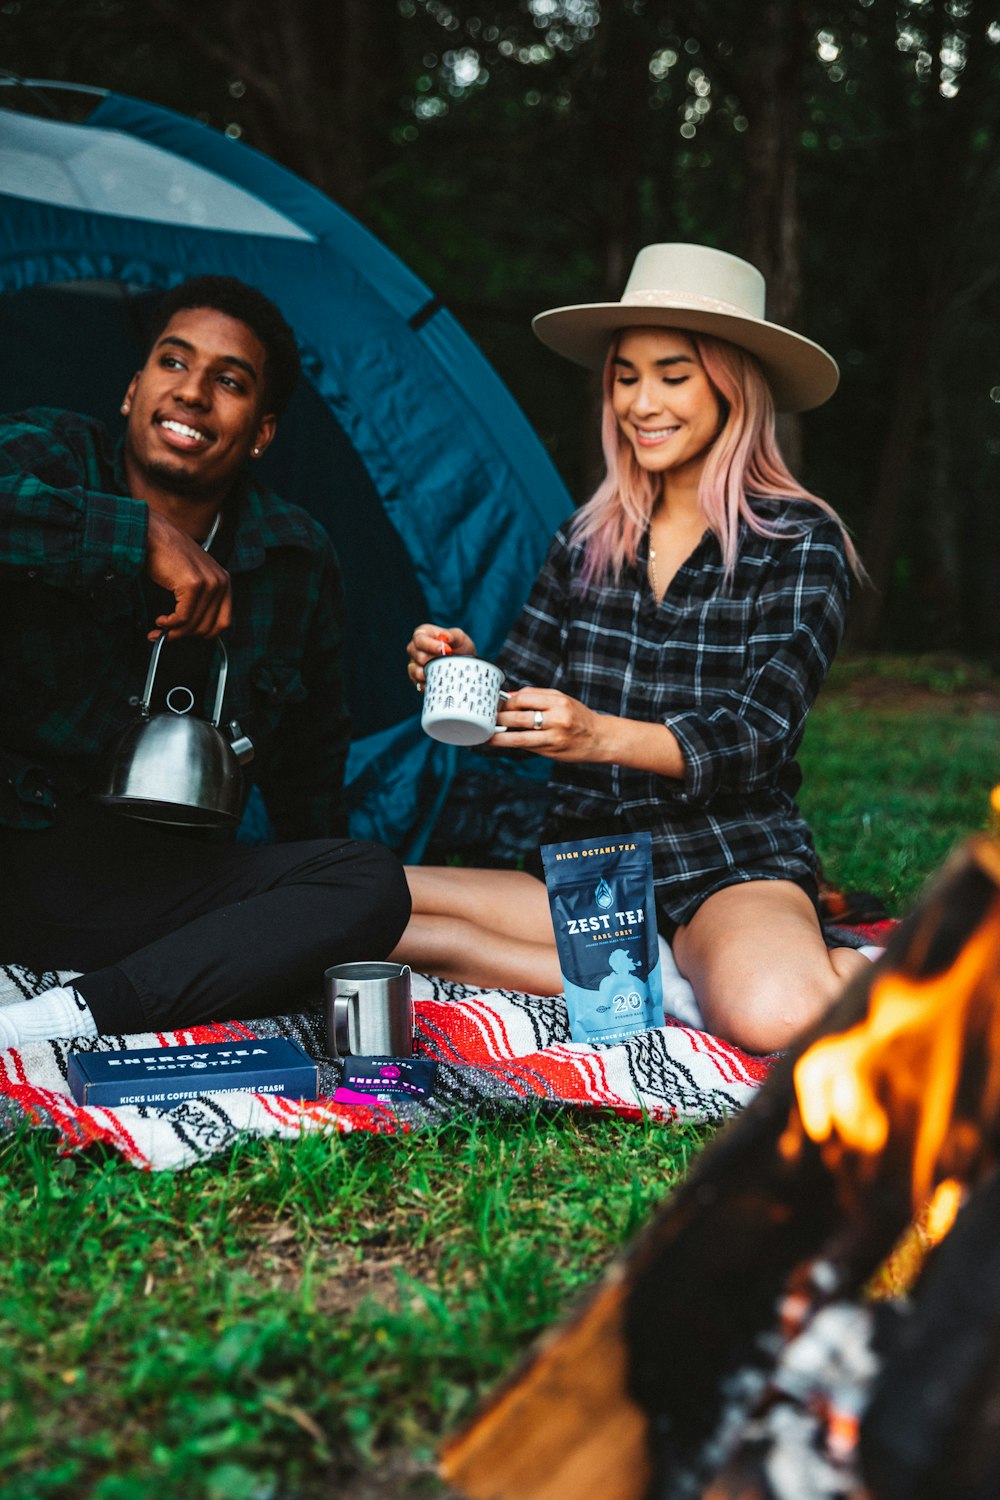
(731, 671)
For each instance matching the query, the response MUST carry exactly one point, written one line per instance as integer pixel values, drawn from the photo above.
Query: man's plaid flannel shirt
(73, 648)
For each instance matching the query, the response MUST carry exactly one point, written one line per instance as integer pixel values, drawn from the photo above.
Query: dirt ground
(912, 684)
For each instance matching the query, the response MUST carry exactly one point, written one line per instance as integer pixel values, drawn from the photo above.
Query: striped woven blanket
(499, 1054)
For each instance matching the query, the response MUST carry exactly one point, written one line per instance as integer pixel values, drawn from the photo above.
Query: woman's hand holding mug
(462, 692)
(431, 641)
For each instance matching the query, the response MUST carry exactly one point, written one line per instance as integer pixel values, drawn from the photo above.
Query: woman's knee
(766, 1012)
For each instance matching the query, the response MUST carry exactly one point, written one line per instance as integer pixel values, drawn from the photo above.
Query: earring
(126, 407)
(255, 452)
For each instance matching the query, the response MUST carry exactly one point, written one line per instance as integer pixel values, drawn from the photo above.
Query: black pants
(170, 931)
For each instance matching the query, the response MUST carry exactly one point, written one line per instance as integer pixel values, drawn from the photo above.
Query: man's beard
(177, 479)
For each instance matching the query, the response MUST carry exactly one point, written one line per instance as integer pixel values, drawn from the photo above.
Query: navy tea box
(163, 1076)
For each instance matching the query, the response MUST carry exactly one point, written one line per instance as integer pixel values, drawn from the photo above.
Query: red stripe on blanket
(77, 1125)
(476, 1031)
(733, 1065)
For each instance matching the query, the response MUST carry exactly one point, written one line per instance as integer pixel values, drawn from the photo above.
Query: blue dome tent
(402, 440)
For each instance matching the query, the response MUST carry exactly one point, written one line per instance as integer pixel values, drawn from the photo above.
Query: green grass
(306, 1320)
(273, 1324)
(893, 783)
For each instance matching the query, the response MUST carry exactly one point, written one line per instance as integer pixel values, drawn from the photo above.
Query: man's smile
(182, 434)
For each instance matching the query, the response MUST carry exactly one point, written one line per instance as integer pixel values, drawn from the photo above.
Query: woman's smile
(648, 437)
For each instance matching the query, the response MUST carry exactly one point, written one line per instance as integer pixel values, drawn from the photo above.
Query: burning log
(933, 1424)
(648, 1389)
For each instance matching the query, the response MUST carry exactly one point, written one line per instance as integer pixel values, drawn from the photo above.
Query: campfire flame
(943, 1209)
(900, 1071)
(900, 1271)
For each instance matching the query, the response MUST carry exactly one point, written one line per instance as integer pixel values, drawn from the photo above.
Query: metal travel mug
(369, 1012)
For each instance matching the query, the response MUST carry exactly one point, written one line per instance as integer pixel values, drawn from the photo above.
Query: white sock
(59, 1012)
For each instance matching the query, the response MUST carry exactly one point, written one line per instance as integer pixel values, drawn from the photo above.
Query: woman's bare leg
(755, 956)
(507, 901)
(485, 927)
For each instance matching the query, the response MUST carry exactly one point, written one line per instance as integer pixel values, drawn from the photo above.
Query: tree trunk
(624, 59)
(879, 547)
(773, 94)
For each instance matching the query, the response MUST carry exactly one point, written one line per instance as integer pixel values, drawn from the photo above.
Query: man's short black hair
(236, 299)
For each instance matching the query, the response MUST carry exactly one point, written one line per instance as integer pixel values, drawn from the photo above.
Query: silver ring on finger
(539, 719)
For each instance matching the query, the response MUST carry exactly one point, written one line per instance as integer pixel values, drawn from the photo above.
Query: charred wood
(751, 1219)
(932, 1429)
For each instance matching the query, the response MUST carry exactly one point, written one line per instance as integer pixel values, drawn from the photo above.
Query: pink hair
(744, 462)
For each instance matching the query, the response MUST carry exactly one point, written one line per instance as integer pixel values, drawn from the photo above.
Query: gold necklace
(652, 572)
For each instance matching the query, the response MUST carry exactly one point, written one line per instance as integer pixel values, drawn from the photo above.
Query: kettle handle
(220, 691)
(154, 662)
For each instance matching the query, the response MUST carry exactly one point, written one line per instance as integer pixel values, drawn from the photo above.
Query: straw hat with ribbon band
(697, 290)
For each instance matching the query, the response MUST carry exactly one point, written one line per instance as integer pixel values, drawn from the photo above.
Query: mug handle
(342, 1022)
(501, 703)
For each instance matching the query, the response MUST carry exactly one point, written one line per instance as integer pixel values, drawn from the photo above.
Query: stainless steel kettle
(176, 768)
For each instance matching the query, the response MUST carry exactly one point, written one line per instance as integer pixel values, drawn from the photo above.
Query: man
(101, 551)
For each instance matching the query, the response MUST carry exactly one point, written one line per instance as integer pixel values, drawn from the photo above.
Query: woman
(682, 624)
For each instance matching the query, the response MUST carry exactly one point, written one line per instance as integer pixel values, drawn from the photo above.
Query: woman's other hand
(552, 724)
(429, 641)
(562, 728)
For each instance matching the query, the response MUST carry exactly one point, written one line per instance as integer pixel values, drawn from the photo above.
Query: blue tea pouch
(601, 899)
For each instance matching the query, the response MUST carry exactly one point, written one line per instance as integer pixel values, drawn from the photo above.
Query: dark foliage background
(518, 154)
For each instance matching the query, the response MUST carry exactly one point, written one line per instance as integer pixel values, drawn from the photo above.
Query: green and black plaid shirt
(73, 647)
